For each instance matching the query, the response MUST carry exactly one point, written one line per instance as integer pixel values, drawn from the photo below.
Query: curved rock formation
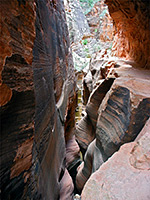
(132, 34)
(119, 117)
(38, 99)
(92, 160)
(126, 175)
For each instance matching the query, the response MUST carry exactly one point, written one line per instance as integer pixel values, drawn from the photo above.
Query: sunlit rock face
(116, 113)
(38, 100)
(132, 34)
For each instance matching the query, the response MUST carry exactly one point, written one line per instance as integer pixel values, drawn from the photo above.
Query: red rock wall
(38, 94)
(17, 99)
(116, 111)
(132, 35)
(16, 42)
(118, 105)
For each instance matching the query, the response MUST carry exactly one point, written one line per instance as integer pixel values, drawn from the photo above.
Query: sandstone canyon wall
(38, 99)
(132, 34)
(117, 102)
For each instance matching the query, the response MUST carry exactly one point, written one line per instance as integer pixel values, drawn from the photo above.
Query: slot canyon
(75, 100)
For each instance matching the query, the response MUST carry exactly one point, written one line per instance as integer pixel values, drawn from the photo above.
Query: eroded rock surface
(132, 34)
(77, 22)
(126, 175)
(117, 114)
(121, 113)
(17, 99)
(38, 100)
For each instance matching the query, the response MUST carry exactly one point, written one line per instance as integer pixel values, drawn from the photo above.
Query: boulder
(126, 175)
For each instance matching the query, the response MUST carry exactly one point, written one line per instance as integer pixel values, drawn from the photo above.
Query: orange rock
(132, 34)
(5, 94)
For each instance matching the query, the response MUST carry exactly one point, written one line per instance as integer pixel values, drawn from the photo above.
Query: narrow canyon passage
(75, 100)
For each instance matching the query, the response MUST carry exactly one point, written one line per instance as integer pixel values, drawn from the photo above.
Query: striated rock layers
(116, 91)
(38, 100)
(126, 175)
(100, 22)
(116, 114)
(17, 97)
(132, 34)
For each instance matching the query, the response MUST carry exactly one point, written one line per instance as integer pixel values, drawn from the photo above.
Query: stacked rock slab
(125, 107)
(121, 115)
(37, 96)
(126, 175)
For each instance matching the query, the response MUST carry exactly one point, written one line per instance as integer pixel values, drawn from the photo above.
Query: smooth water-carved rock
(37, 97)
(85, 130)
(121, 114)
(126, 175)
(92, 160)
(96, 99)
(17, 97)
(67, 188)
(56, 82)
(85, 133)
